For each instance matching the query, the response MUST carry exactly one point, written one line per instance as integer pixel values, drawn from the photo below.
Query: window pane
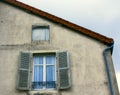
(50, 73)
(38, 60)
(47, 33)
(50, 60)
(38, 77)
(50, 77)
(40, 33)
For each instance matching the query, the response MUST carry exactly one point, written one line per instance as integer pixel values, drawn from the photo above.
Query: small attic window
(40, 33)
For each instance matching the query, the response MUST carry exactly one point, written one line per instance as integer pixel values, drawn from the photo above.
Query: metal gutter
(107, 67)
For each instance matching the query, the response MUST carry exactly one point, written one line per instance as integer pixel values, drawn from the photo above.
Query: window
(40, 33)
(43, 71)
(48, 70)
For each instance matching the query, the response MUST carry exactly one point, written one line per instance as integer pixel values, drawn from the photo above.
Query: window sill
(44, 91)
(40, 42)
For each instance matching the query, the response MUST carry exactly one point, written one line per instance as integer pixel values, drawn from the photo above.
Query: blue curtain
(38, 72)
(50, 71)
(50, 60)
(38, 59)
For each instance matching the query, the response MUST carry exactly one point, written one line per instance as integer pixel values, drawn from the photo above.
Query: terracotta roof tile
(63, 22)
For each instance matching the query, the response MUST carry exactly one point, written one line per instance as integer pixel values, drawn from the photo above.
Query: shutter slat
(23, 71)
(64, 78)
(63, 70)
(62, 59)
(23, 78)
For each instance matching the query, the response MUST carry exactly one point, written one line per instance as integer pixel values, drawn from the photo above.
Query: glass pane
(40, 34)
(38, 77)
(47, 34)
(50, 77)
(38, 60)
(50, 73)
(50, 60)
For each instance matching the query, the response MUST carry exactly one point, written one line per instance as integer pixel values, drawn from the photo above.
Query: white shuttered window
(48, 71)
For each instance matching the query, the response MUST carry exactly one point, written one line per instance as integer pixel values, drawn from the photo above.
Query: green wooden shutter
(23, 71)
(64, 81)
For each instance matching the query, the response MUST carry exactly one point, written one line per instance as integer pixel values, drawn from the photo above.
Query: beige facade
(88, 71)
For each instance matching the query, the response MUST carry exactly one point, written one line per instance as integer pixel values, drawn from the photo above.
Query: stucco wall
(88, 71)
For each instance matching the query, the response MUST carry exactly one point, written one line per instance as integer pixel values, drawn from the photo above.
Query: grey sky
(102, 16)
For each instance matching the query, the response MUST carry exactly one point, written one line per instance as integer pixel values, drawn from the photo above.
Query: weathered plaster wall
(88, 71)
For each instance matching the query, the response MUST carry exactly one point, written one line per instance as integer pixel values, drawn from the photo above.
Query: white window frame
(44, 69)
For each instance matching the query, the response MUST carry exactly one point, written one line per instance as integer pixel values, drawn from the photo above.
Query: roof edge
(106, 40)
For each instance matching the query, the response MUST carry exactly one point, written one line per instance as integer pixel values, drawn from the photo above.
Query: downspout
(107, 67)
